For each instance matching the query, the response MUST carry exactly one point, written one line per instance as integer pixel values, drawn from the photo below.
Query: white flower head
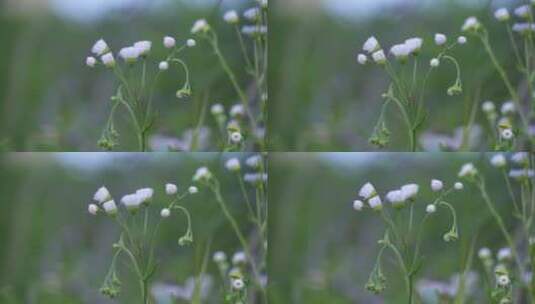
(520, 158)
(200, 26)
(129, 54)
(100, 48)
(362, 59)
(239, 258)
(440, 39)
(165, 213)
(379, 57)
(169, 42)
(358, 205)
(255, 178)
(90, 62)
(237, 110)
(484, 253)
(163, 66)
(102, 195)
(238, 284)
(202, 174)
(458, 186)
(521, 174)
(143, 47)
(92, 209)
(132, 202)
(231, 17)
(504, 254)
(108, 60)
(414, 45)
(507, 134)
(145, 194)
(233, 165)
(236, 137)
(193, 190)
(430, 209)
(254, 161)
(219, 257)
(434, 63)
(109, 207)
(503, 280)
(376, 203)
(436, 185)
(171, 189)
(508, 108)
(461, 40)
(524, 27)
(467, 170)
(371, 45)
(410, 191)
(502, 14)
(217, 109)
(401, 51)
(498, 161)
(252, 14)
(191, 43)
(488, 107)
(367, 191)
(523, 11)
(471, 24)
(396, 197)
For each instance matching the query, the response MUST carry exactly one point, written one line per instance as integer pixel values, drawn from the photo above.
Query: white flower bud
(508, 108)
(371, 45)
(376, 203)
(504, 254)
(236, 137)
(109, 207)
(502, 14)
(440, 39)
(108, 60)
(400, 51)
(358, 205)
(92, 209)
(217, 109)
(507, 134)
(131, 201)
(102, 195)
(467, 170)
(193, 190)
(239, 258)
(219, 257)
(202, 174)
(163, 66)
(171, 189)
(362, 59)
(414, 45)
(169, 42)
(143, 47)
(252, 14)
(458, 186)
(410, 191)
(145, 194)
(237, 284)
(367, 191)
(498, 161)
(100, 47)
(434, 62)
(233, 165)
(165, 213)
(461, 40)
(129, 54)
(503, 280)
(200, 26)
(231, 17)
(237, 110)
(484, 253)
(523, 11)
(254, 161)
(488, 107)
(430, 208)
(90, 62)
(379, 57)
(396, 197)
(471, 24)
(191, 43)
(436, 185)
(520, 158)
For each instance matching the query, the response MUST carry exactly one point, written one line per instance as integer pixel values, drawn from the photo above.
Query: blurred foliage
(54, 251)
(325, 250)
(323, 100)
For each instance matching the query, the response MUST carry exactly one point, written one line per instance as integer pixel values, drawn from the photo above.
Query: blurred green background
(53, 251)
(49, 99)
(323, 100)
(322, 251)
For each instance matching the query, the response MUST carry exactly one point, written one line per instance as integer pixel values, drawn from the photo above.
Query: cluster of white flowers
(131, 202)
(468, 170)
(523, 171)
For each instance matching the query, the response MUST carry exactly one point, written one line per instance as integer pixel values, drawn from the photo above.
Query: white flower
(108, 60)
(507, 134)
(165, 213)
(239, 258)
(484, 253)
(430, 208)
(410, 191)
(434, 62)
(401, 51)
(523, 11)
(375, 203)
(143, 47)
(201, 174)
(471, 24)
(502, 14)
(461, 40)
(521, 174)
(504, 254)
(100, 48)
(396, 197)
(503, 280)
(145, 194)
(236, 137)
(219, 257)
(252, 14)
(131, 201)
(467, 170)
(237, 110)
(508, 108)
(362, 59)
(233, 165)
(90, 62)
(191, 43)
(163, 66)
(254, 161)
(92, 209)
(458, 186)
(231, 17)
(217, 109)
(358, 205)
(254, 30)
(367, 191)
(109, 207)
(498, 161)
(255, 178)
(169, 42)
(436, 185)
(371, 45)
(520, 158)
(379, 57)
(129, 54)
(193, 190)
(414, 45)
(488, 107)
(440, 39)
(238, 284)
(523, 27)
(200, 26)
(102, 195)
(171, 189)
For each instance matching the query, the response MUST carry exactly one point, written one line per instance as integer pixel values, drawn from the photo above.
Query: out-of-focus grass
(50, 101)
(323, 251)
(322, 100)
(53, 251)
